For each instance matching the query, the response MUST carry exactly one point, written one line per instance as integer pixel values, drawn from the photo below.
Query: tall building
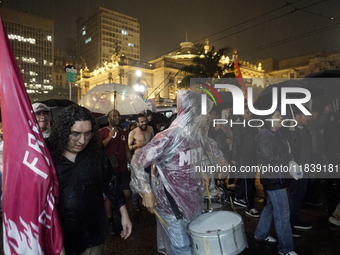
(105, 33)
(63, 58)
(32, 40)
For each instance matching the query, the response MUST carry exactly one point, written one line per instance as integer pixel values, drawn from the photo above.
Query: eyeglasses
(75, 136)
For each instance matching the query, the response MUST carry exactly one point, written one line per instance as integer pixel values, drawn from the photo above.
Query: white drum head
(215, 221)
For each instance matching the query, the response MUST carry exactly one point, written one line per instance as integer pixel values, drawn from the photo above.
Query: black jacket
(272, 150)
(243, 151)
(81, 206)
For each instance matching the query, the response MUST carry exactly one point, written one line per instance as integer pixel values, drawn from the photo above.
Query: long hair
(61, 128)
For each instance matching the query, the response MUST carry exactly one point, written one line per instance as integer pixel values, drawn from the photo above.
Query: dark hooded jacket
(272, 150)
(81, 208)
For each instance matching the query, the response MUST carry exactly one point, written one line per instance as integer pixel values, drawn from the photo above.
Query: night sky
(258, 29)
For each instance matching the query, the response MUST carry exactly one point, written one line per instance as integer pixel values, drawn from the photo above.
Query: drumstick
(158, 216)
(207, 188)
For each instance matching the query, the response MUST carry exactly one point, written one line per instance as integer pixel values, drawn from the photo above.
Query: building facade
(159, 77)
(105, 33)
(63, 58)
(32, 38)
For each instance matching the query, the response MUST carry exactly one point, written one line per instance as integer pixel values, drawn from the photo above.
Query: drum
(217, 233)
(217, 201)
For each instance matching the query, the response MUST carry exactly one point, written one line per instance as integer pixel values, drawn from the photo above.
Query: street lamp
(140, 88)
(139, 73)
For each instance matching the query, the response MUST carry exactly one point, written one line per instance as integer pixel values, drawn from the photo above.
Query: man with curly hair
(84, 174)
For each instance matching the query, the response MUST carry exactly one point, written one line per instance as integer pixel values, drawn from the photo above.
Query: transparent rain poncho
(178, 152)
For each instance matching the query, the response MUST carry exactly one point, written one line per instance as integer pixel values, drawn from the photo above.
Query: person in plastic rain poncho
(176, 152)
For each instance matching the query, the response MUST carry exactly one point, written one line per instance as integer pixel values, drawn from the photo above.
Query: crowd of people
(106, 173)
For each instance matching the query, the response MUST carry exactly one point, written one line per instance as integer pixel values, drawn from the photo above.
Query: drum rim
(216, 212)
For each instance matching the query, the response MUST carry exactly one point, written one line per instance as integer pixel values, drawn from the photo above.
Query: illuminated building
(160, 76)
(32, 38)
(105, 33)
(63, 58)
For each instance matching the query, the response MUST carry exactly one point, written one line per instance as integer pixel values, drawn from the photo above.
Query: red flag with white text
(239, 77)
(30, 188)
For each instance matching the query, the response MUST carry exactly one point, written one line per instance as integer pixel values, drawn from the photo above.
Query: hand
(126, 223)
(205, 181)
(149, 201)
(223, 162)
(112, 132)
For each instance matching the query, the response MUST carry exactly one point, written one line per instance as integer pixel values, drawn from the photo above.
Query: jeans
(177, 239)
(246, 190)
(277, 208)
(297, 192)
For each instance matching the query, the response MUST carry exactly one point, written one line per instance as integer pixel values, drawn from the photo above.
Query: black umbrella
(57, 102)
(264, 101)
(329, 81)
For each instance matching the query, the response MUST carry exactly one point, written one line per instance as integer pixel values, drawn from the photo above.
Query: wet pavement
(322, 239)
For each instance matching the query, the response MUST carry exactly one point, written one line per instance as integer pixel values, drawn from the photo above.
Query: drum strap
(173, 204)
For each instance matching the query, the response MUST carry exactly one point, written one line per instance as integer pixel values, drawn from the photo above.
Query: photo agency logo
(282, 98)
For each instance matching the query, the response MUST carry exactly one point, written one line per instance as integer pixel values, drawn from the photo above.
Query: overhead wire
(266, 21)
(299, 36)
(234, 26)
(287, 4)
(158, 85)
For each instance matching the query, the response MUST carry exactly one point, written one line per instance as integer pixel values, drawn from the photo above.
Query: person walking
(84, 174)
(272, 151)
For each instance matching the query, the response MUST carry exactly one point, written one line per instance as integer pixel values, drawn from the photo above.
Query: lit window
(88, 40)
(131, 45)
(28, 60)
(83, 31)
(48, 87)
(49, 38)
(124, 32)
(21, 38)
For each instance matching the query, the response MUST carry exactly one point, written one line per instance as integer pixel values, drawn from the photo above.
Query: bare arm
(131, 140)
(126, 222)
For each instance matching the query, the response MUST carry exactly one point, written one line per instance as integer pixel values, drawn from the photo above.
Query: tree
(207, 65)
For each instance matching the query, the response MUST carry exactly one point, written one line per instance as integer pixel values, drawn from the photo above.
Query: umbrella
(56, 106)
(264, 101)
(106, 97)
(57, 102)
(330, 82)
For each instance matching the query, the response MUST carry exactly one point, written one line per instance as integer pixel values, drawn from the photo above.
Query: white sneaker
(334, 221)
(269, 239)
(288, 253)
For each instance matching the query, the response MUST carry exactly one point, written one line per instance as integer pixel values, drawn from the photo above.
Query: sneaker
(295, 233)
(334, 221)
(303, 226)
(314, 202)
(253, 213)
(269, 239)
(288, 253)
(240, 202)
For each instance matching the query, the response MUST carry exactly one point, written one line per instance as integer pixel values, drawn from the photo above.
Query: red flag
(30, 187)
(239, 77)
